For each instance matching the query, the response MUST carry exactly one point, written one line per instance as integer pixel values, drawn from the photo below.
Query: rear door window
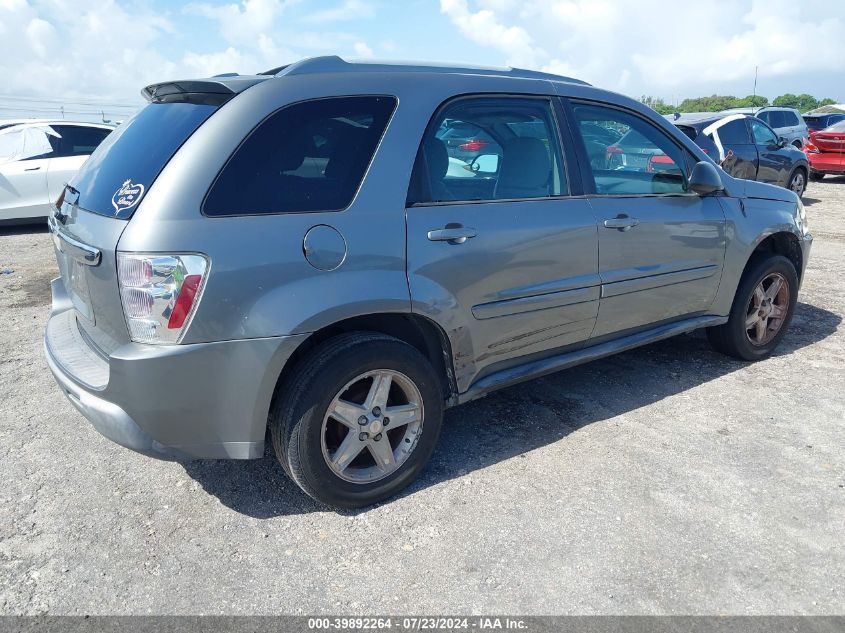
(519, 156)
(307, 157)
(132, 156)
(777, 118)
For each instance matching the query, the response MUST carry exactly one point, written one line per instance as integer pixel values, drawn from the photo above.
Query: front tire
(359, 420)
(761, 312)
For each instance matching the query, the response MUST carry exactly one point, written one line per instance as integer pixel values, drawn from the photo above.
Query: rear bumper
(175, 402)
(827, 162)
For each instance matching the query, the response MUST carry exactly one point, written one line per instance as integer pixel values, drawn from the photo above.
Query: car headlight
(801, 219)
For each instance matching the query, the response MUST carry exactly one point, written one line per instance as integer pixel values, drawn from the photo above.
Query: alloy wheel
(371, 426)
(767, 309)
(798, 184)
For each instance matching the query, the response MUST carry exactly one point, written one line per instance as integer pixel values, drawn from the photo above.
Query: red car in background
(826, 151)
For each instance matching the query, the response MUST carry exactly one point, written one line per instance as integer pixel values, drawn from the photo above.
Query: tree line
(717, 103)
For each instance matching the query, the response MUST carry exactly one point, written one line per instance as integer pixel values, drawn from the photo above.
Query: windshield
(122, 169)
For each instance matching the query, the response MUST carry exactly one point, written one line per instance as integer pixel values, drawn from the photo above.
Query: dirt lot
(664, 480)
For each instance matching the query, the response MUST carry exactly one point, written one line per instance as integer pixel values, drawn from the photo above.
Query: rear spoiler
(213, 91)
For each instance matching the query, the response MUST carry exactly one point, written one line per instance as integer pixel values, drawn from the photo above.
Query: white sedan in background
(37, 159)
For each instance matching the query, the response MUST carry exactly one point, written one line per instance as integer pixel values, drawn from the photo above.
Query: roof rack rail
(335, 64)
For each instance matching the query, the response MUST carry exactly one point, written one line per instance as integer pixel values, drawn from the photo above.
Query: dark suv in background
(816, 122)
(747, 148)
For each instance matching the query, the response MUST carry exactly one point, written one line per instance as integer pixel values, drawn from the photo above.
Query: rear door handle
(452, 234)
(621, 222)
(32, 168)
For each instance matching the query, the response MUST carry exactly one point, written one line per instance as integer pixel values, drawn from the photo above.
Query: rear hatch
(96, 206)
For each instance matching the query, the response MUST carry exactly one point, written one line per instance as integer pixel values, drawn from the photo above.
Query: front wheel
(359, 421)
(762, 309)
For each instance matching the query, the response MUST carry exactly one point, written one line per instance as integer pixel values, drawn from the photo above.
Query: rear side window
(76, 140)
(116, 176)
(777, 118)
(790, 118)
(734, 133)
(307, 157)
(642, 161)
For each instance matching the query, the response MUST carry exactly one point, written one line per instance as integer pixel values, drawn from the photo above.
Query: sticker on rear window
(127, 196)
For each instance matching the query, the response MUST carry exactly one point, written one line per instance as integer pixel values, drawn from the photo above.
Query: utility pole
(754, 97)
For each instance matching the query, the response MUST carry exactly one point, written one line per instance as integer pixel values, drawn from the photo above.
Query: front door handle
(32, 168)
(621, 222)
(454, 234)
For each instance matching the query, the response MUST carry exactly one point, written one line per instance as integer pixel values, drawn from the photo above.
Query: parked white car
(37, 159)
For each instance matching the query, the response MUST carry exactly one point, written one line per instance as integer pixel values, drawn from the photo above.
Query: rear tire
(797, 182)
(321, 416)
(743, 336)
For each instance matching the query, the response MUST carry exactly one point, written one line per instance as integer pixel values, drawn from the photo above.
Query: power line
(79, 102)
(92, 111)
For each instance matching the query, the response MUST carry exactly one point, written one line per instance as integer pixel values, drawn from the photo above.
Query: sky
(86, 56)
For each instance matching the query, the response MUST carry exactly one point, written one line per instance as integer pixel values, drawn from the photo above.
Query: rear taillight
(663, 162)
(809, 148)
(159, 294)
(476, 145)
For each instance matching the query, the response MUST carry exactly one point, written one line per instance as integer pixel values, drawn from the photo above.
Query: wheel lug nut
(363, 420)
(363, 436)
(377, 411)
(386, 421)
(377, 437)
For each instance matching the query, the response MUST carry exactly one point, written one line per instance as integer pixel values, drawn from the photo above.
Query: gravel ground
(667, 480)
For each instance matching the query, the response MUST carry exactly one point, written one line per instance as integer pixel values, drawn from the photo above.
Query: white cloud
(362, 50)
(42, 37)
(106, 50)
(242, 23)
(651, 45)
(485, 28)
(348, 10)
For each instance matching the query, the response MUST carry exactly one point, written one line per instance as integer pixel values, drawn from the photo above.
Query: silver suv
(299, 251)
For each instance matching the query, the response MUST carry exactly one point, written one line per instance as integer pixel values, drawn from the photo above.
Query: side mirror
(782, 141)
(705, 178)
(485, 164)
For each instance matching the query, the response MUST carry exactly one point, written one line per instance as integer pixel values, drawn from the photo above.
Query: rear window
(123, 167)
(307, 157)
(837, 127)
